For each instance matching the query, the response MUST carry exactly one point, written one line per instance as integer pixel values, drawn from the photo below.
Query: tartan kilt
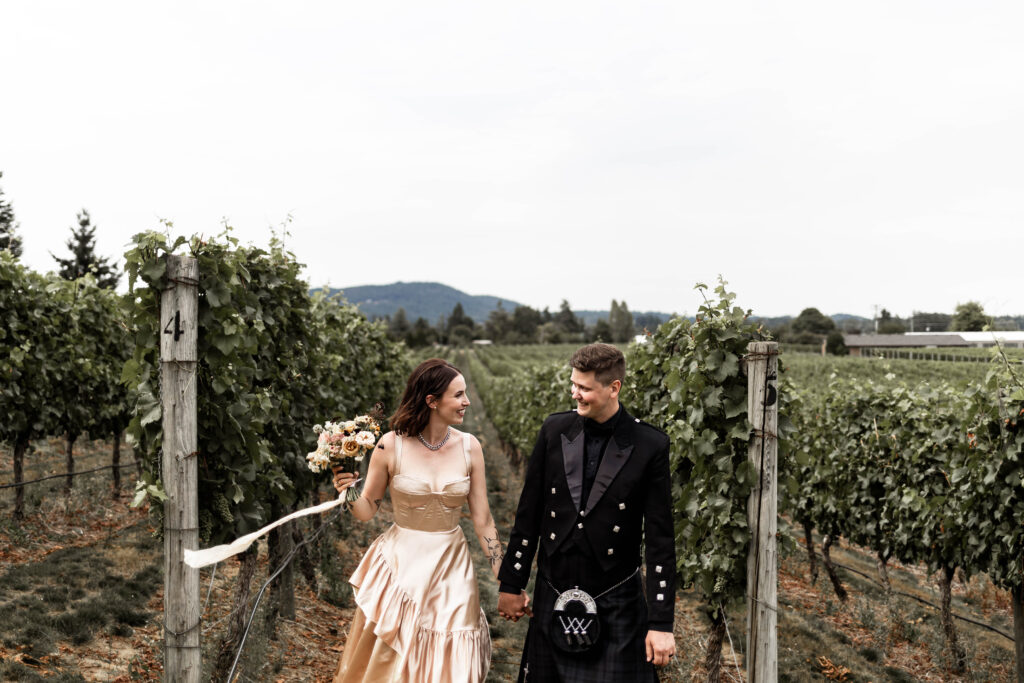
(619, 655)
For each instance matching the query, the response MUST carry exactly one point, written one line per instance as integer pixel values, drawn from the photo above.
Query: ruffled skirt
(418, 616)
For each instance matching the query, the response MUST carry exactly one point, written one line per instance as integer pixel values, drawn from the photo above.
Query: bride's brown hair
(430, 378)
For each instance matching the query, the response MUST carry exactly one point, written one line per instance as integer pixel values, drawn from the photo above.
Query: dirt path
(504, 484)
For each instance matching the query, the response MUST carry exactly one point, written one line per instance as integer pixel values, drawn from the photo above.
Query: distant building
(857, 343)
(1012, 339)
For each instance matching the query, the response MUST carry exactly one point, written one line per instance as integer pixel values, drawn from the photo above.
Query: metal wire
(259, 595)
(72, 474)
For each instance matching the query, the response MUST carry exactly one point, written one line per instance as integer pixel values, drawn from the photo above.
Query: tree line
(521, 325)
(812, 327)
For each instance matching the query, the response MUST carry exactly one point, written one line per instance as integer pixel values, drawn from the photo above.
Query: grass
(872, 642)
(69, 596)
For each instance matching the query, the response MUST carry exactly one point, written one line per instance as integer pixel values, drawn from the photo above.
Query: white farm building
(857, 343)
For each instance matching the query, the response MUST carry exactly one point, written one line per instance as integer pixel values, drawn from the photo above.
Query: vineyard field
(902, 479)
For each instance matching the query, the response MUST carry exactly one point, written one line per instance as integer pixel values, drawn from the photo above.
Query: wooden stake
(179, 307)
(1018, 628)
(762, 512)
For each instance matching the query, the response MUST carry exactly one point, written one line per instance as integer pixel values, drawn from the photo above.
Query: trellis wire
(259, 595)
(72, 474)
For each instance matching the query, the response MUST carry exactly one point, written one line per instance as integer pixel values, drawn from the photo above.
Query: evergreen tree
(525, 324)
(458, 318)
(83, 255)
(422, 334)
(602, 331)
(620, 320)
(567, 321)
(499, 325)
(8, 239)
(398, 326)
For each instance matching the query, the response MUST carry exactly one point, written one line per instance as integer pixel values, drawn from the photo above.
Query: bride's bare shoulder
(386, 445)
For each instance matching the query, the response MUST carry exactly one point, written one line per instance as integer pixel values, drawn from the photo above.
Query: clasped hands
(512, 606)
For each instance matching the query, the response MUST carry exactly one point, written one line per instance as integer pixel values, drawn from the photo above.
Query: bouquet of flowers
(344, 445)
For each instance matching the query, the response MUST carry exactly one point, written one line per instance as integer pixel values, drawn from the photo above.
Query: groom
(597, 488)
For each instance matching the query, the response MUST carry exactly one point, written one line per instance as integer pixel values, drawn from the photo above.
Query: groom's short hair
(604, 360)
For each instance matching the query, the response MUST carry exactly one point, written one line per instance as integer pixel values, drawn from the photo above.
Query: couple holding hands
(597, 487)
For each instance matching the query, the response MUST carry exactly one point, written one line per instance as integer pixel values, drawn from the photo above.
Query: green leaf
(153, 415)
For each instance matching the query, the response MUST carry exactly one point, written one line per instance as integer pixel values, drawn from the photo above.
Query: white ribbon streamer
(218, 553)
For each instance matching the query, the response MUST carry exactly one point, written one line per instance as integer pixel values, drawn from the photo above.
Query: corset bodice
(416, 506)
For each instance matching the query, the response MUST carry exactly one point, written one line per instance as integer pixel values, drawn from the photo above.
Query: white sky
(836, 155)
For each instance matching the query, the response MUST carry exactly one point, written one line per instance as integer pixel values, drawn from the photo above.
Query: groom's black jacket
(629, 504)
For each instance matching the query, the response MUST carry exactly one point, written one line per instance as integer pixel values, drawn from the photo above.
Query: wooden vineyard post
(762, 512)
(179, 307)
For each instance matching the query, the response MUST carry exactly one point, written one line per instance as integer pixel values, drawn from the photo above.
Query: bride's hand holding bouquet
(341, 446)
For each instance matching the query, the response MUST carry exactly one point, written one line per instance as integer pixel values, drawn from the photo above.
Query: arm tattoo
(377, 503)
(494, 553)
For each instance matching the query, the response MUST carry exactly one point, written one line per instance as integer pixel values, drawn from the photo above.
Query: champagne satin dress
(418, 616)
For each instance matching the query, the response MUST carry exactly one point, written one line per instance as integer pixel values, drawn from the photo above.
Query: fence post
(179, 306)
(762, 513)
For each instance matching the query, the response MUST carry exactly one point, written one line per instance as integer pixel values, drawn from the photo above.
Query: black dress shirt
(596, 435)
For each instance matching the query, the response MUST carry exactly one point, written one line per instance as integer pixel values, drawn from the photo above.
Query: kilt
(619, 655)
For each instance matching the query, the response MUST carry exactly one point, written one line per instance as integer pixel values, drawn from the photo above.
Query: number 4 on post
(178, 331)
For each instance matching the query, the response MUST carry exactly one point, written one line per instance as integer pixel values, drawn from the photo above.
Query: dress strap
(465, 451)
(398, 452)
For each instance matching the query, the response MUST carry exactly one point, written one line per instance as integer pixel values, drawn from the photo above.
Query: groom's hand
(512, 606)
(661, 646)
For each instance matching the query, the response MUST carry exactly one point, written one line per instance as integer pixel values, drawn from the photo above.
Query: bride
(418, 615)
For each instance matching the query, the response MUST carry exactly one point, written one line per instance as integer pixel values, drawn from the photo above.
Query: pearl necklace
(438, 446)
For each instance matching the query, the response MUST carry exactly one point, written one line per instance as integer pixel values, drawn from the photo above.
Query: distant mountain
(429, 300)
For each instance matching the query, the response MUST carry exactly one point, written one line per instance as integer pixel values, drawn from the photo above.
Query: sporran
(575, 625)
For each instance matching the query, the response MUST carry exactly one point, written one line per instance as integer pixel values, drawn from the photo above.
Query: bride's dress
(418, 615)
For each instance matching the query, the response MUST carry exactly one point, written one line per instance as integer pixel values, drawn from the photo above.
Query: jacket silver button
(661, 596)
(611, 551)
(552, 537)
(615, 529)
(525, 542)
(552, 513)
(519, 553)
(657, 569)
(663, 583)
(622, 506)
(580, 525)
(552, 489)
(517, 566)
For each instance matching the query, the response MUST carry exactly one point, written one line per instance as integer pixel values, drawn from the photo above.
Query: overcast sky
(837, 155)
